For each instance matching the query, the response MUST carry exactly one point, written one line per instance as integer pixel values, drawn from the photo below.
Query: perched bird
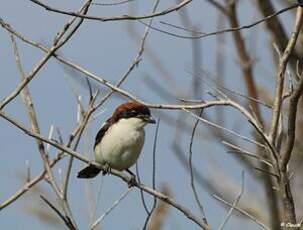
(119, 142)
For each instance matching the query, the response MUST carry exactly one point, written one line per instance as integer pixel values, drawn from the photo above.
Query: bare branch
(65, 219)
(99, 220)
(246, 214)
(115, 18)
(239, 150)
(29, 104)
(280, 76)
(291, 126)
(149, 213)
(26, 187)
(112, 4)
(234, 204)
(121, 175)
(192, 179)
(200, 34)
(44, 60)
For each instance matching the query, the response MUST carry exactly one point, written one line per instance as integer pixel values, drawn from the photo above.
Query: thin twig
(141, 192)
(115, 18)
(237, 149)
(226, 130)
(291, 124)
(267, 172)
(75, 135)
(210, 77)
(112, 4)
(277, 105)
(222, 225)
(65, 219)
(149, 213)
(116, 88)
(192, 179)
(137, 58)
(44, 60)
(29, 104)
(217, 32)
(99, 220)
(243, 212)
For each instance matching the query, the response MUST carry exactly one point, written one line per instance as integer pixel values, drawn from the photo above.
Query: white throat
(131, 123)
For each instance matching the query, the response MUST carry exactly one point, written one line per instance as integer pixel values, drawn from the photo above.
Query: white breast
(122, 143)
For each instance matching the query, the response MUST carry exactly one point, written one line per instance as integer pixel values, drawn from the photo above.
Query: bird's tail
(89, 172)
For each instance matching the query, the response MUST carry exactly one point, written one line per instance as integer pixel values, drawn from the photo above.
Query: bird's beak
(149, 119)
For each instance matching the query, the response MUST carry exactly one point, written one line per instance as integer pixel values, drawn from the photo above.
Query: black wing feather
(89, 172)
(101, 132)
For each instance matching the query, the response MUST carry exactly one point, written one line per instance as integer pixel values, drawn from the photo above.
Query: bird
(119, 142)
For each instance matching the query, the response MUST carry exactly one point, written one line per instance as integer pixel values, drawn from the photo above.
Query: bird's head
(136, 113)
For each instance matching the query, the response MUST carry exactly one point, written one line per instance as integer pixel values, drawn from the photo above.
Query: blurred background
(175, 66)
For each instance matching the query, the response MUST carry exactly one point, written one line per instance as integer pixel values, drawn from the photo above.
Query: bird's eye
(134, 112)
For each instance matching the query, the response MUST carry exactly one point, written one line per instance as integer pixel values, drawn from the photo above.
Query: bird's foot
(132, 182)
(106, 169)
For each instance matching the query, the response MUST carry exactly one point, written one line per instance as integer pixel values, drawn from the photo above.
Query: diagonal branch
(243, 212)
(44, 60)
(245, 60)
(117, 173)
(235, 203)
(75, 135)
(29, 104)
(65, 219)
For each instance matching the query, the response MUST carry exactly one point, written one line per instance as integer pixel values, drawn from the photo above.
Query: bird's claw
(132, 181)
(106, 169)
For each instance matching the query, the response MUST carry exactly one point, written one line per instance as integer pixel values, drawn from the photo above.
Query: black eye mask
(128, 113)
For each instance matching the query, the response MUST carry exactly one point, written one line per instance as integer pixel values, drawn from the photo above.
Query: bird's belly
(120, 150)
